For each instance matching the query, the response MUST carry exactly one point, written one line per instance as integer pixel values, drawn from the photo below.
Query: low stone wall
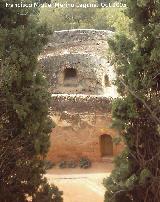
(81, 103)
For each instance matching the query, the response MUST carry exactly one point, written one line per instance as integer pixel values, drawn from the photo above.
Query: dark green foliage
(137, 112)
(72, 164)
(67, 164)
(84, 163)
(48, 193)
(48, 164)
(85, 18)
(24, 106)
(63, 164)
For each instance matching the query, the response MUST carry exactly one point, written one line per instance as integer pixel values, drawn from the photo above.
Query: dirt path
(80, 185)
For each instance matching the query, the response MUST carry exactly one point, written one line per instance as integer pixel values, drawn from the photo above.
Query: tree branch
(140, 99)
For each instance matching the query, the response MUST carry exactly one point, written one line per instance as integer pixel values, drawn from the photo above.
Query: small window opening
(70, 73)
(106, 81)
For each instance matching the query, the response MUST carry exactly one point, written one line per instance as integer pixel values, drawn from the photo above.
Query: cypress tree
(136, 113)
(24, 107)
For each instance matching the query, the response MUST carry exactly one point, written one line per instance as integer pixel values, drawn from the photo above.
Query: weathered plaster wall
(80, 121)
(91, 72)
(79, 137)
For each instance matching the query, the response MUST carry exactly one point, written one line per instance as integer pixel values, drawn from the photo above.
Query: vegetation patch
(48, 164)
(84, 163)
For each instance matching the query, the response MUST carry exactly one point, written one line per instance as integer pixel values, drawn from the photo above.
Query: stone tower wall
(81, 105)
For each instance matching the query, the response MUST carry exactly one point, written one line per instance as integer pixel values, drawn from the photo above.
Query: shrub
(63, 164)
(48, 164)
(67, 164)
(71, 164)
(48, 193)
(84, 163)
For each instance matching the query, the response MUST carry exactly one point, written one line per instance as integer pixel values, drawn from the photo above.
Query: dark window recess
(70, 73)
(106, 81)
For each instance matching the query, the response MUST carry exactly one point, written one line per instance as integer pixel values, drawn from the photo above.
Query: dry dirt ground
(81, 185)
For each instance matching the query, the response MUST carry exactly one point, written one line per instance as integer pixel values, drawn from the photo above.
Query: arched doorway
(106, 145)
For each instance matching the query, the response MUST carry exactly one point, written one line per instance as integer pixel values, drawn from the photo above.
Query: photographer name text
(66, 5)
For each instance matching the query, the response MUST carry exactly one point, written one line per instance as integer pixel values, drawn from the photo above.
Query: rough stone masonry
(80, 79)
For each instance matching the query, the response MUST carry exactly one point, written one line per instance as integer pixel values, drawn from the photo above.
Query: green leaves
(131, 181)
(24, 110)
(142, 3)
(48, 193)
(37, 146)
(124, 109)
(136, 113)
(96, 18)
(145, 175)
(20, 111)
